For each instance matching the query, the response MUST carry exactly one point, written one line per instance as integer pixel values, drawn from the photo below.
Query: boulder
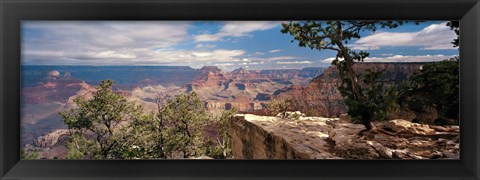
(403, 126)
(50, 139)
(342, 132)
(399, 154)
(355, 149)
(384, 152)
(291, 115)
(344, 118)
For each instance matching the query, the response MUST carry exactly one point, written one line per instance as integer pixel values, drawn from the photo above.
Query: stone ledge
(264, 137)
(267, 137)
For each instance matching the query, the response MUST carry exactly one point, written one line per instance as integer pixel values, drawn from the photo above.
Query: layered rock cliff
(322, 98)
(246, 90)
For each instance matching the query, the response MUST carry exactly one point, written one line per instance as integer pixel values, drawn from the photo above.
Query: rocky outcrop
(263, 137)
(209, 76)
(266, 137)
(241, 74)
(49, 139)
(403, 140)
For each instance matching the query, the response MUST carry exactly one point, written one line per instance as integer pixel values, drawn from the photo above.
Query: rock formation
(49, 139)
(265, 137)
(245, 90)
(322, 98)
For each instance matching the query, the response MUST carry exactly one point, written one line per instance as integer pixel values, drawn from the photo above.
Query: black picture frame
(12, 12)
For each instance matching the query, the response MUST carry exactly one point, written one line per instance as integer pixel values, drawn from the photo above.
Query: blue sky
(228, 45)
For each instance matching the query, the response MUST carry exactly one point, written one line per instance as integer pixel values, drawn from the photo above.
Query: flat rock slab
(265, 137)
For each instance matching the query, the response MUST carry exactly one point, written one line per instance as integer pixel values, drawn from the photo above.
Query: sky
(226, 44)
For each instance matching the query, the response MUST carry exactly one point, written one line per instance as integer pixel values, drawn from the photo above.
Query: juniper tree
(435, 85)
(455, 26)
(103, 116)
(185, 118)
(220, 147)
(362, 92)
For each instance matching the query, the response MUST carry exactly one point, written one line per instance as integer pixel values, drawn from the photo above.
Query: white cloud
(294, 62)
(107, 34)
(407, 58)
(274, 58)
(433, 37)
(275, 50)
(329, 60)
(59, 54)
(236, 29)
(116, 42)
(114, 55)
(205, 46)
(399, 58)
(110, 41)
(363, 47)
(224, 64)
(139, 57)
(182, 56)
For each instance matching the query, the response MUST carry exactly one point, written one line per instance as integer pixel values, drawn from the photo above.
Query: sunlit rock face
(267, 137)
(263, 137)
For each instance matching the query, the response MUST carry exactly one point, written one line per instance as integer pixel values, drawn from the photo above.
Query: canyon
(325, 134)
(48, 90)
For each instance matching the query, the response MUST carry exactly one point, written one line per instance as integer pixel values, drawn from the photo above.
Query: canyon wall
(322, 98)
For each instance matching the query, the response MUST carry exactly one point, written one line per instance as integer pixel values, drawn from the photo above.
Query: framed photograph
(239, 89)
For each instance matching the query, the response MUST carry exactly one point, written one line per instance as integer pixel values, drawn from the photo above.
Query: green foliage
(107, 126)
(221, 147)
(321, 35)
(104, 116)
(363, 94)
(79, 147)
(455, 26)
(436, 85)
(186, 117)
(29, 154)
(143, 139)
(276, 106)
